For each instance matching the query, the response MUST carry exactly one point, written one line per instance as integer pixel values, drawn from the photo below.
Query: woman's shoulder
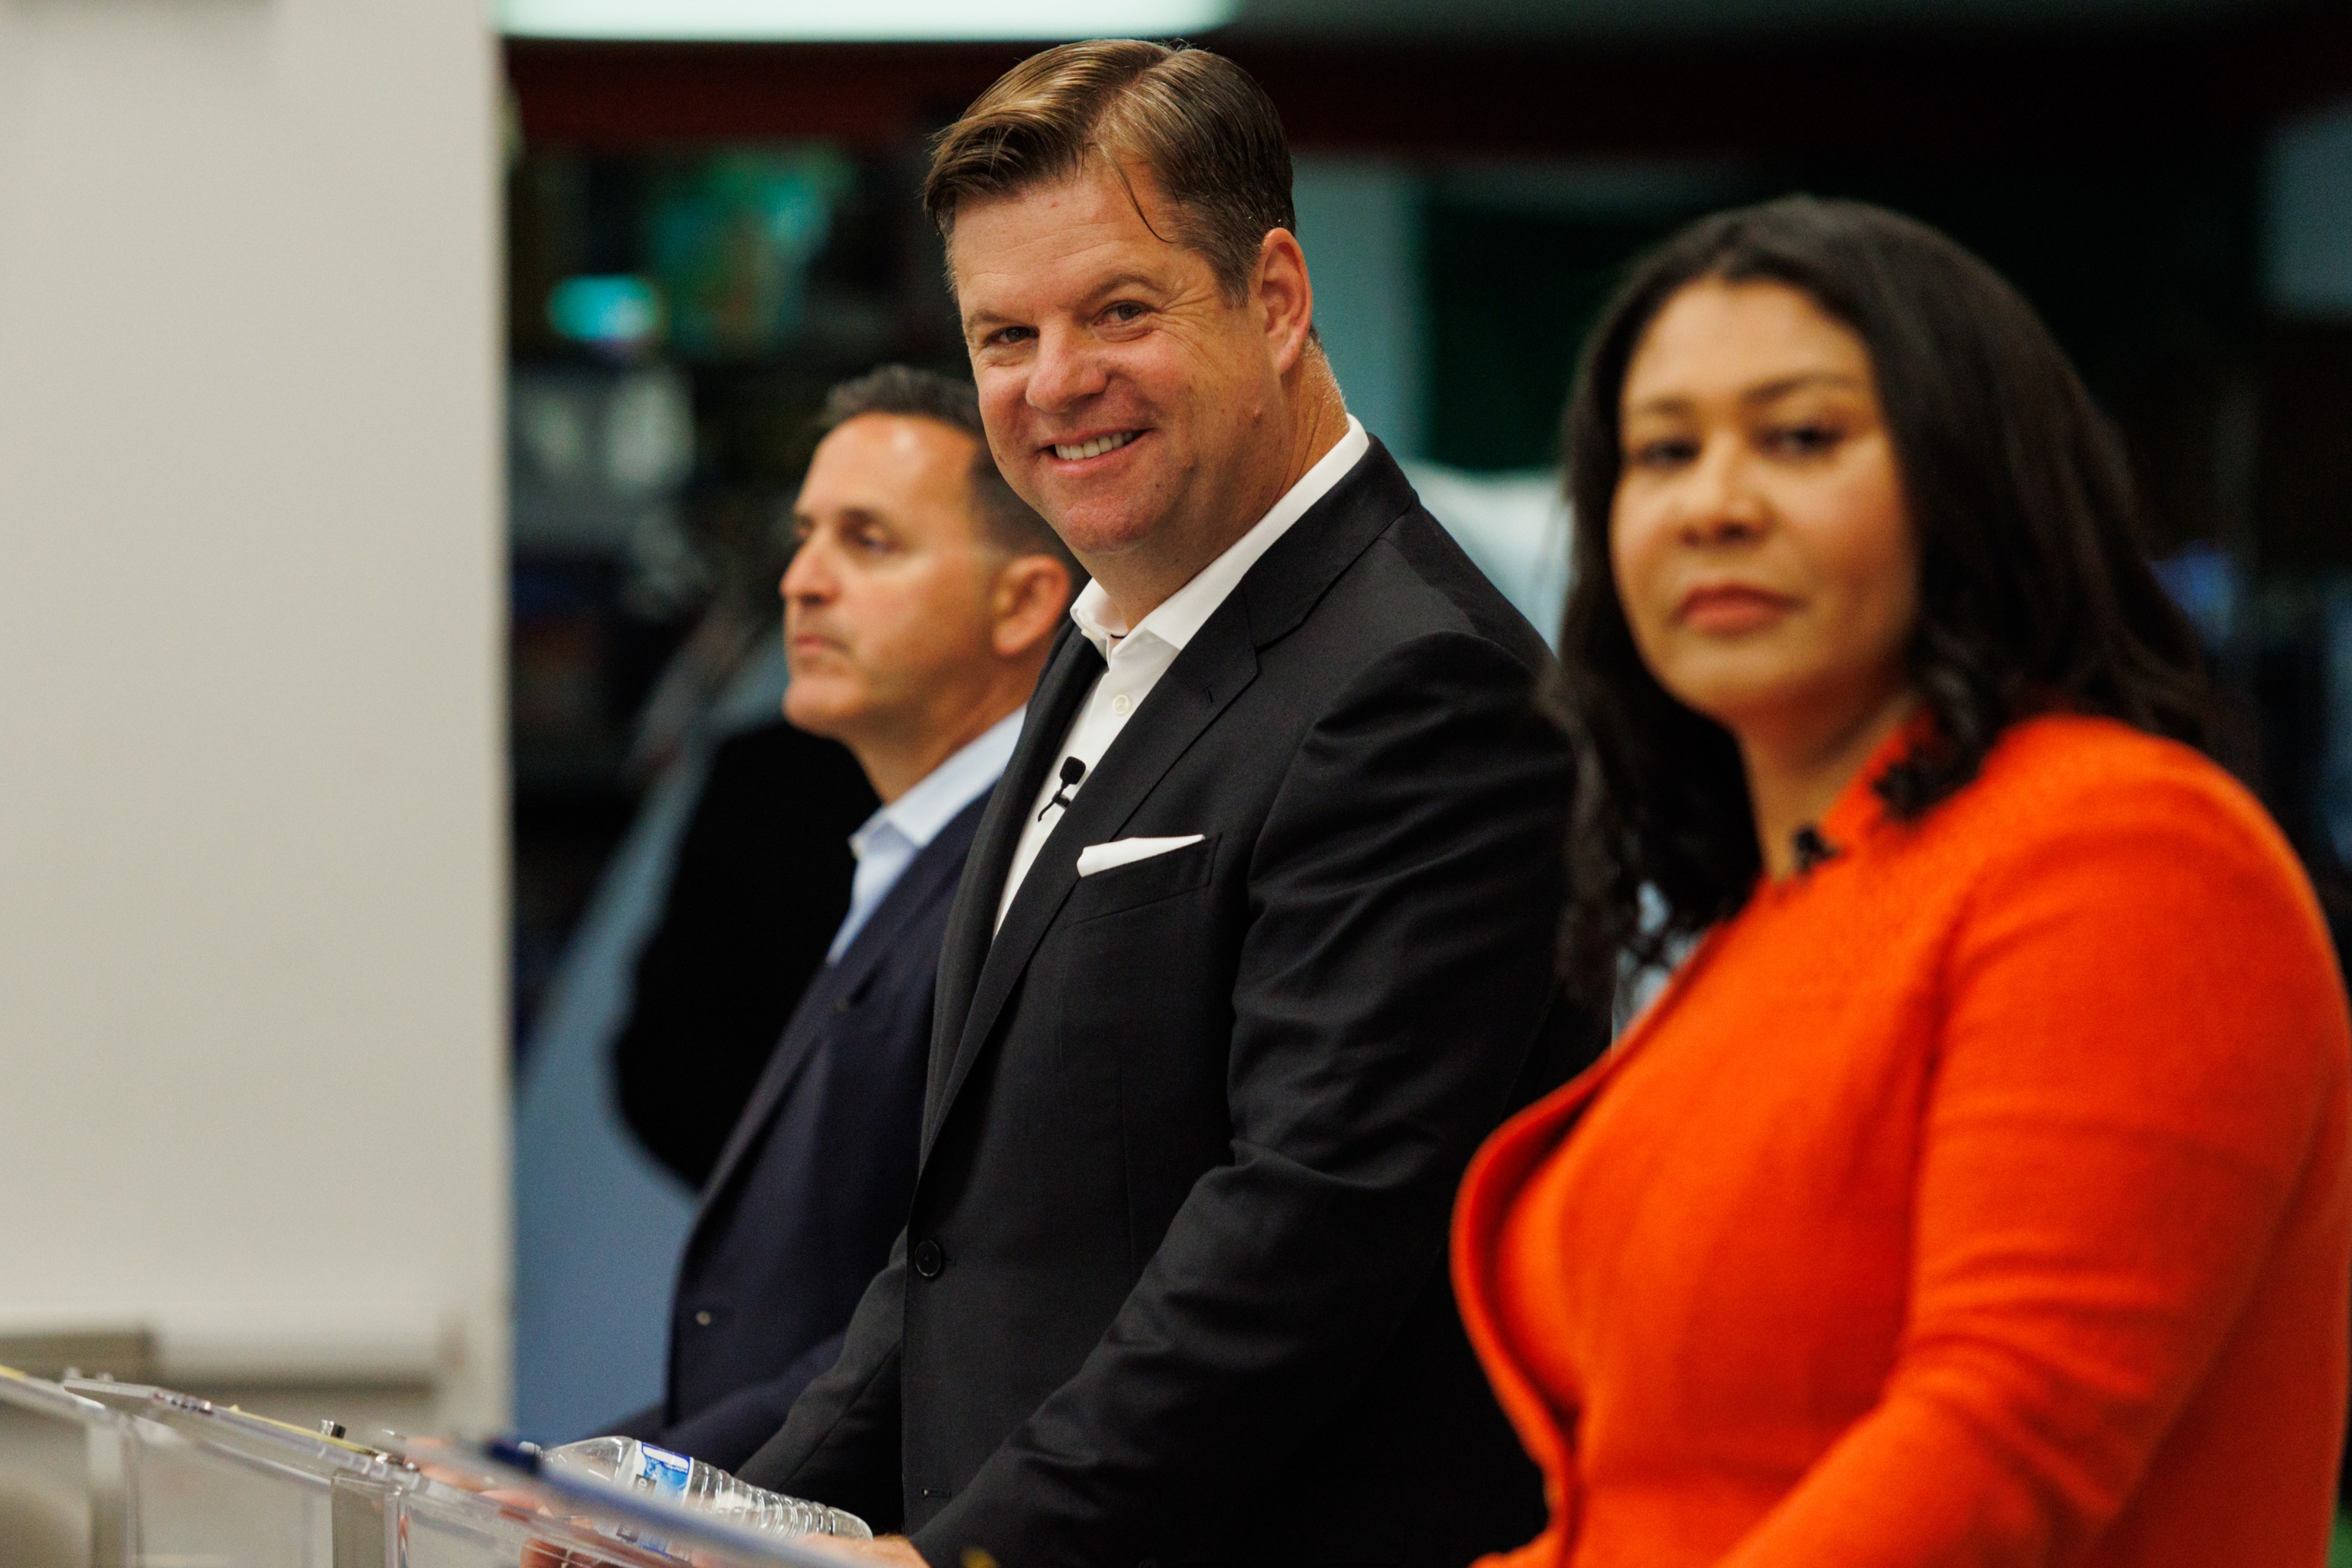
(2126, 896)
(2077, 784)
(2043, 766)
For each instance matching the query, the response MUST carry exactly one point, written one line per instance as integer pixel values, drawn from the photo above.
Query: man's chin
(1092, 528)
(815, 711)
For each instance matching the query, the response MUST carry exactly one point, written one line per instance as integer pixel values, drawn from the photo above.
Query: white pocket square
(1096, 857)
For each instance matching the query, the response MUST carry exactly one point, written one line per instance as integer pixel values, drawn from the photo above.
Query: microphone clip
(1072, 771)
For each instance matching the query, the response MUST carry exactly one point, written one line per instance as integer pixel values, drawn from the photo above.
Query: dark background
(703, 238)
(2109, 157)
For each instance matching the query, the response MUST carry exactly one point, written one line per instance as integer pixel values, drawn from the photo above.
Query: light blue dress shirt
(891, 838)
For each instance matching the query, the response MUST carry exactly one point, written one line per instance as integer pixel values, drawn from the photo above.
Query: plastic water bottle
(706, 1488)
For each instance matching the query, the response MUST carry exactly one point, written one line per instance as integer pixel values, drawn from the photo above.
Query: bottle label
(662, 1472)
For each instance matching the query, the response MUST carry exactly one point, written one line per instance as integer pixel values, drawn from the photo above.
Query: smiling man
(1254, 944)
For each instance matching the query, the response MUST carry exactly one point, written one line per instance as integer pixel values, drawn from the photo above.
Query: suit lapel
(1271, 600)
(929, 876)
(792, 1053)
(1070, 672)
(1207, 676)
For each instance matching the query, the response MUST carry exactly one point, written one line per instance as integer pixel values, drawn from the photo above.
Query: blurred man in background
(918, 611)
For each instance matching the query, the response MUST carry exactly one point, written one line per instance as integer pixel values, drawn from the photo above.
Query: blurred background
(703, 234)
(399, 404)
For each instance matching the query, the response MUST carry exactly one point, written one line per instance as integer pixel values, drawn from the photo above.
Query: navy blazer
(815, 1179)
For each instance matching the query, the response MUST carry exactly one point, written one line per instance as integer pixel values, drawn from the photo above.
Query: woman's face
(1759, 538)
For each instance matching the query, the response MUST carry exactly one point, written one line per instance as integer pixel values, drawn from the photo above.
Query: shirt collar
(1187, 610)
(918, 814)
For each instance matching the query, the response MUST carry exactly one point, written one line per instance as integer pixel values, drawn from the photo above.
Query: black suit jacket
(814, 1180)
(1172, 1285)
(760, 885)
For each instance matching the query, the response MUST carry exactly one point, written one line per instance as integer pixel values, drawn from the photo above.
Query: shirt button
(930, 1259)
(702, 1319)
(1122, 705)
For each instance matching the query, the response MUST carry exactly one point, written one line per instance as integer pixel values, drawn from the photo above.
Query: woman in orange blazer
(1976, 1190)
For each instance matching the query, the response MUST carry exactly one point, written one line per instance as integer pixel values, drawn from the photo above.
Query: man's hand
(895, 1551)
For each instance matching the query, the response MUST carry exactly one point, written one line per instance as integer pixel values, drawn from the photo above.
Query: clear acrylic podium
(106, 1475)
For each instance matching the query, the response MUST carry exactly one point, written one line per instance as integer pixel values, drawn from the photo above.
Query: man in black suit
(917, 610)
(1254, 944)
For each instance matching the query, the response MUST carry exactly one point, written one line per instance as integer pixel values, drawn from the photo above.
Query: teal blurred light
(728, 239)
(620, 313)
(868, 20)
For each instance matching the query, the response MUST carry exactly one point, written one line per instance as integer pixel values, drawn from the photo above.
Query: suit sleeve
(731, 1431)
(840, 1444)
(2140, 1092)
(1405, 891)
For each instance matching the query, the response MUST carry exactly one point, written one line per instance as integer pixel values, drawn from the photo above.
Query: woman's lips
(1729, 609)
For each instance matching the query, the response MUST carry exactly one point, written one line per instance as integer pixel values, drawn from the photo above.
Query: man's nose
(808, 577)
(1066, 372)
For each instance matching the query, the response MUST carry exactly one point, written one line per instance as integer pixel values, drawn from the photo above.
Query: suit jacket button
(702, 1319)
(930, 1259)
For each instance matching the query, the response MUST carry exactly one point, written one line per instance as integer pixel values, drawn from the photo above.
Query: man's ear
(1285, 297)
(1032, 594)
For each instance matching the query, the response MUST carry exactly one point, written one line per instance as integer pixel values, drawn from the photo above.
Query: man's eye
(1126, 311)
(1006, 337)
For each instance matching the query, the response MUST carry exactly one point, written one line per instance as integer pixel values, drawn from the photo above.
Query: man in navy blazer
(918, 611)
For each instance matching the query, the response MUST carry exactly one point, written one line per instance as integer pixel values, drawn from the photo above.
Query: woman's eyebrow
(1789, 384)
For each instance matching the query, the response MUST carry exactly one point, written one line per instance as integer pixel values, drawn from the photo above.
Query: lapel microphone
(1811, 848)
(1072, 771)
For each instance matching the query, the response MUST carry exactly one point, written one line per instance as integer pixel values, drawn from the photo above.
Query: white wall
(252, 936)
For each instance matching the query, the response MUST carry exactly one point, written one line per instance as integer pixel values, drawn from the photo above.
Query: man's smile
(1088, 448)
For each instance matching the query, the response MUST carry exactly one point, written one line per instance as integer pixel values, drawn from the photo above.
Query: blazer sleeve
(840, 1444)
(731, 1431)
(1404, 890)
(2141, 1089)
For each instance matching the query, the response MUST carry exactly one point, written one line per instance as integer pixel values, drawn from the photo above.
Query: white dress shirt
(1136, 657)
(890, 839)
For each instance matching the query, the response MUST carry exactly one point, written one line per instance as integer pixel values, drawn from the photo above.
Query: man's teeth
(1094, 448)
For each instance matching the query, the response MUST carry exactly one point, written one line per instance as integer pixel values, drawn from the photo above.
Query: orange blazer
(1979, 1197)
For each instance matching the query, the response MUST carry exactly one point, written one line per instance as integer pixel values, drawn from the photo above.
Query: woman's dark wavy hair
(2033, 592)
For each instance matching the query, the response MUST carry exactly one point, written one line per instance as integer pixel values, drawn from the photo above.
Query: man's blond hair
(1199, 123)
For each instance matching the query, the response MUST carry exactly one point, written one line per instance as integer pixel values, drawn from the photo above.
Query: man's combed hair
(914, 393)
(2034, 594)
(1200, 124)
